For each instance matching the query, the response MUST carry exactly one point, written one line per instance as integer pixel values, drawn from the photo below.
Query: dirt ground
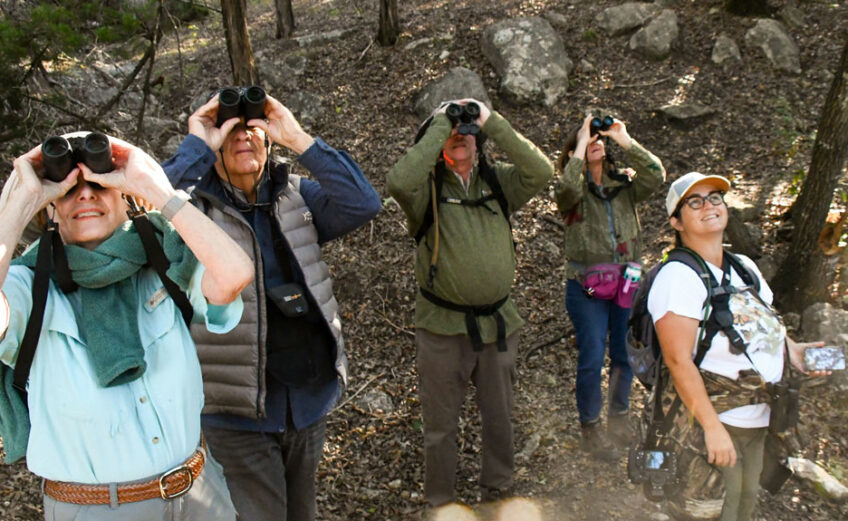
(761, 136)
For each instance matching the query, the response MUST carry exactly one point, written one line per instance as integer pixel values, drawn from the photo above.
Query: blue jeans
(592, 320)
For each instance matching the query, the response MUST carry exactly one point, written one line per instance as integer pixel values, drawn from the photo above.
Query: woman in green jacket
(598, 200)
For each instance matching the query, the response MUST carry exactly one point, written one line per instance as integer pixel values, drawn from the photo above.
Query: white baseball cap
(681, 187)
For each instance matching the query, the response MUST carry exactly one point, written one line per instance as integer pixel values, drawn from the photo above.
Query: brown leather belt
(170, 485)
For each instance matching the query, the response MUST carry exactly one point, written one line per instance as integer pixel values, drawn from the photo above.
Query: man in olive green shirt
(466, 323)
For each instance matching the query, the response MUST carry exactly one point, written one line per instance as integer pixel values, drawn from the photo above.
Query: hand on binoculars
(618, 133)
(202, 124)
(25, 184)
(136, 174)
(484, 110)
(282, 127)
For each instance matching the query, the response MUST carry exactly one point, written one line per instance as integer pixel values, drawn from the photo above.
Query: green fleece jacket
(476, 264)
(589, 238)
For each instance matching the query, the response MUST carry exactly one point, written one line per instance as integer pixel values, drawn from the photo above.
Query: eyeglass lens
(696, 202)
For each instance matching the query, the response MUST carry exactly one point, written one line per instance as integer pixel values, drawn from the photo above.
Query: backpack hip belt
(471, 314)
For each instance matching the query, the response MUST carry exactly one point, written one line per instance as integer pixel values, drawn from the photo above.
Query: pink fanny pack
(601, 281)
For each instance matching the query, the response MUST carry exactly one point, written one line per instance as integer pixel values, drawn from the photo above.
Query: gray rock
(824, 322)
(792, 16)
(170, 146)
(530, 58)
(283, 74)
(306, 106)
(725, 50)
(458, 83)
(530, 447)
(620, 19)
(417, 43)
(768, 268)
(747, 212)
(655, 39)
(375, 400)
(685, 111)
(823, 483)
(779, 47)
(558, 20)
(310, 40)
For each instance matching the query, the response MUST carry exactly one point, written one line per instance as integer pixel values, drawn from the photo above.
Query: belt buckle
(173, 472)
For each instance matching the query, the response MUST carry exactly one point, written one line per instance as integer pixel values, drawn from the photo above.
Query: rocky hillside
(754, 121)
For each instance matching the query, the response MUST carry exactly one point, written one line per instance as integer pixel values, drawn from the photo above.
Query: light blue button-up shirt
(85, 433)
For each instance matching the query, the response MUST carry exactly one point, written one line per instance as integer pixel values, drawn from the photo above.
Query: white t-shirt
(678, 289)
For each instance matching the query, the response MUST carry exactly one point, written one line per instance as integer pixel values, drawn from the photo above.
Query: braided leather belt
(170, 485)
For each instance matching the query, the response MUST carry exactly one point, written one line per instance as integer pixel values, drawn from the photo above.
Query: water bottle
(632, 274)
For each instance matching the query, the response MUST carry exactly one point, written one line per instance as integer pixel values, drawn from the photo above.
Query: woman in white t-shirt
(734, 439)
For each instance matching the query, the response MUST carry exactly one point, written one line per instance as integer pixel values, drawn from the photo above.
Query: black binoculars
(463, 117)
(247, 102)
(60, 155)
(598, 124)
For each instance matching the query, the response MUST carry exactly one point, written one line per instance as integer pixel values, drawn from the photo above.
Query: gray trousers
(271, 475)
(445, 366)
(742, 481)
(208, 500)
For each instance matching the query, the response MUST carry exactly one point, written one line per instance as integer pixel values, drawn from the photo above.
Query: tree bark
(285, 18)
(234, 14)
(803, 277)
(389, 29)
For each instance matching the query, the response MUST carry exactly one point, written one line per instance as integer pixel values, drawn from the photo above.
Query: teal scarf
(108, 321)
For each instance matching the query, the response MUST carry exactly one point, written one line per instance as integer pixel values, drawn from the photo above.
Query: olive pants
(742, 481)
(446, 364)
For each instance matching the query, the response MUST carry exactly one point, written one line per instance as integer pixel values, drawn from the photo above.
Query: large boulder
(530, 58)
(458, 83)
(655, 39)
(824, 322)
(623, 18)
(779, 47)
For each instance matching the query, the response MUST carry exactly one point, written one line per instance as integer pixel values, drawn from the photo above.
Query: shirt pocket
(156, 315)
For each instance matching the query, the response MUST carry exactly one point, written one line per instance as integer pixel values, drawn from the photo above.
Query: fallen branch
(542, 345)
(366, 384)
(639, 85)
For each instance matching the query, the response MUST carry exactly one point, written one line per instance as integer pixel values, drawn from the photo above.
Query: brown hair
(569, 146)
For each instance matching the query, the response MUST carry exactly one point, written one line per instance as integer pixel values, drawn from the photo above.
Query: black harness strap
(471, 314)
(40, 285)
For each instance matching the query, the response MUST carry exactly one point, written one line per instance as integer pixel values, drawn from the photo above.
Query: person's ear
(571, 153)
(675, 223)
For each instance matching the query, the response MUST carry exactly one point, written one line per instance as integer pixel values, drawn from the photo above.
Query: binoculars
(247, 102)
(463, 117)
(598, 124)
(60, 155)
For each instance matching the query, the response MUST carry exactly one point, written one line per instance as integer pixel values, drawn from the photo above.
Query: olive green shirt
(599, 231)
(476, 262)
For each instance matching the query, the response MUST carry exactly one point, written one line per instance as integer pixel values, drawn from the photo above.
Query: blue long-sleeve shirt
(340, 199)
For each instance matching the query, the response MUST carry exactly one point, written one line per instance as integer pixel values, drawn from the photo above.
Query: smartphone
(827, 358)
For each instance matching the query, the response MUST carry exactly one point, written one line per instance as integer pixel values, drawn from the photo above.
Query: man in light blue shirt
(115, 389)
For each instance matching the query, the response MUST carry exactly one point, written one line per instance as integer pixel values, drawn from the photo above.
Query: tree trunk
(748, 7)
(739, 236)
(285, 18)
(803, 279)
(238, 41)
(389, 29)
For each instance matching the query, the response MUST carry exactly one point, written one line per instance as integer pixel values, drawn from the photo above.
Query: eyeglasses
(696, 202)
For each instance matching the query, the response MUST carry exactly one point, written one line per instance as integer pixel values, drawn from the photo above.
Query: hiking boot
(594, 440)
(620, 430)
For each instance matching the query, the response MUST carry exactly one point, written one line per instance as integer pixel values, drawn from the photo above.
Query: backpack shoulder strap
(437, 180)
(748, 275)
(158, 261)
(491, 179)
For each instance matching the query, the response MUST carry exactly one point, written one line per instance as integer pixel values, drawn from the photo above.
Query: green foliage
(36, 32)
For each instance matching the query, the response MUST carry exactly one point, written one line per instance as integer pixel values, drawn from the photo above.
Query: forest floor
(761, 136)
